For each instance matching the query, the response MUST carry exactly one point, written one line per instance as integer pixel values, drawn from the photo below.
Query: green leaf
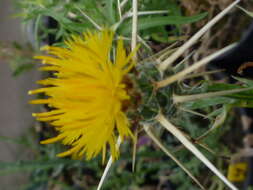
(204, 103)
(174, 9)
(7, 167)
(110, 10)
(247, 95)
(22, 68)
(151, 22)
(221, 86)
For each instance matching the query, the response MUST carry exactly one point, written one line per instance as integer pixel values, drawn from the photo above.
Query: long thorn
(180, 75)
(133, 46)
(134, 25)
(119, 9)
(89, 19)
(203, 74)
(194, 39)
(165, 150)
(107, 168)
(178, 134)
(123, 3)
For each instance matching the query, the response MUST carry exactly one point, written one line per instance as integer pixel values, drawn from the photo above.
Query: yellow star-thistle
(86, 94)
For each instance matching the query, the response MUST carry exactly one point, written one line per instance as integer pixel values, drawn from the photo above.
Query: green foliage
(151, 167)
(71, 17)
(157, 21)
(241, 99)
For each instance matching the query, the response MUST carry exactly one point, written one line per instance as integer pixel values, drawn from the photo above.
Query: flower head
(86, 94)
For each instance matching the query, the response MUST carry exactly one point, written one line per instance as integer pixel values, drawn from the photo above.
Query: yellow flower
(86, 94)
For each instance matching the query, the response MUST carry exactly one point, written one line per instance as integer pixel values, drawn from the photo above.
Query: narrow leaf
(146, 23)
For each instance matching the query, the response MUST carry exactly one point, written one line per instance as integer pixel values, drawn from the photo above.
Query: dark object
(52, 24)
(239, 62)
(239, 55)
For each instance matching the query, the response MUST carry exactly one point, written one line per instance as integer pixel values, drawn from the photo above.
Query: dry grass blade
(178, 134)
(194, 39)
(165, 150)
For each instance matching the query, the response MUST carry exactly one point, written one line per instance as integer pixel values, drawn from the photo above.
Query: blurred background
(15, 113)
